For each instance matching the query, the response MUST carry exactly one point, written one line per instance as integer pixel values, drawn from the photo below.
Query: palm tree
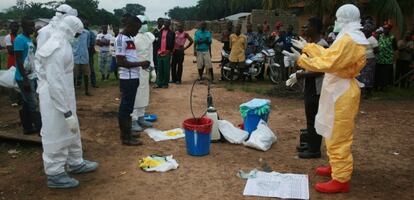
(244, 5)
(392, 9)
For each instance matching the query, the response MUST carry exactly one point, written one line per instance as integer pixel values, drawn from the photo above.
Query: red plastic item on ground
(241, 126)
(201, 125)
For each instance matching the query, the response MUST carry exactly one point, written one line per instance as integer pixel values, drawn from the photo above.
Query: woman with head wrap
(367, 76)
(340, 96)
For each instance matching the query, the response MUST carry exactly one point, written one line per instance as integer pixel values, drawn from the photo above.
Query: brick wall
(272, 16)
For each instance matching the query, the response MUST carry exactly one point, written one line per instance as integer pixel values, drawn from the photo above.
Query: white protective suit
(143, 43)
(45, 33)
(54, 68)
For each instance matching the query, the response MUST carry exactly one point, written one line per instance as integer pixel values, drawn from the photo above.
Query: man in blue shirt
(252, 41)
(81, 58)
(91, 50)
(26, 78)
(202, 50)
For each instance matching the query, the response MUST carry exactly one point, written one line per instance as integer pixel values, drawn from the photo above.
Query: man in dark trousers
(166, 44)
(181, 38)
(128, 65)
(311, 146)
(155, 47)
(26, 78)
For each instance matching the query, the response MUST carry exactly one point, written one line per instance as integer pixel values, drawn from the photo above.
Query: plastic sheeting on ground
(231, 133)
(158, 135)
(156, 163)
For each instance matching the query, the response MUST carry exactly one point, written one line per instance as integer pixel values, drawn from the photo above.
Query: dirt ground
(383, 149)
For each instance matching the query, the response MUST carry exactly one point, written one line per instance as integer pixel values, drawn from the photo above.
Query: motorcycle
(274, 70)
(252, 69)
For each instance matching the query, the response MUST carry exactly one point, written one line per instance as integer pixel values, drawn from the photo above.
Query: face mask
(144, 28)
(338, 27)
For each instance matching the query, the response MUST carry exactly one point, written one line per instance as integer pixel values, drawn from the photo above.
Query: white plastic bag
(262, 138)
(168, 163)
(7, 78)
(232, 134)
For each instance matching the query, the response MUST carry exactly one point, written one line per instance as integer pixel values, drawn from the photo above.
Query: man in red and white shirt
(128, 65)
(11, 60)
(9, 40)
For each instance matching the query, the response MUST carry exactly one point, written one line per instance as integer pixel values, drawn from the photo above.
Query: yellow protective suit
(341, 62)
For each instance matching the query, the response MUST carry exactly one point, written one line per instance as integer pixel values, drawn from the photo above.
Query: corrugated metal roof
(236, 16)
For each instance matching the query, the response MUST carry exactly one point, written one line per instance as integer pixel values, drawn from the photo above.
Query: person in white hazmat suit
(60, 131)
(45, 32)
(144, 44)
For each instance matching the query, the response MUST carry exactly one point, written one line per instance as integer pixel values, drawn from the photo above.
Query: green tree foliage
(134, 9)
(182, 14)
(244, 5)
(213, 9)
(87, 9)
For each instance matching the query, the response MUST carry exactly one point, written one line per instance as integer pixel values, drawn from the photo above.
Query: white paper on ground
(284, 186)
(158, 135)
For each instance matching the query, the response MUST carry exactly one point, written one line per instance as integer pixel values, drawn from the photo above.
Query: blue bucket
(198, 136)
(252, 120)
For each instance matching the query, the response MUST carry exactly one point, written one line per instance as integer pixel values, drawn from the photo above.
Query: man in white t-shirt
(103, 40)
(128, 64)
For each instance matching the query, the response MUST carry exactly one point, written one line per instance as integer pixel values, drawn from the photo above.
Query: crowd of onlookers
(384, 50)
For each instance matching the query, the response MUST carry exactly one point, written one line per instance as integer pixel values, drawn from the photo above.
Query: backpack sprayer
(210, 113)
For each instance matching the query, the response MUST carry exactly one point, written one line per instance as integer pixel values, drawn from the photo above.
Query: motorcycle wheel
(258, 69)
(275, 74)
(227, 74)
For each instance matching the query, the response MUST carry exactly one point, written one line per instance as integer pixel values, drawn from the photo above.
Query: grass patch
(3, 59)
(258, 88)
(396, 94)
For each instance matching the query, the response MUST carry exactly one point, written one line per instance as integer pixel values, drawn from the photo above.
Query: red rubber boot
(332, 186)
(324, 171)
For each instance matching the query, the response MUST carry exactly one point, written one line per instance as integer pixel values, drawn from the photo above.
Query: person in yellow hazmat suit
(340, 96)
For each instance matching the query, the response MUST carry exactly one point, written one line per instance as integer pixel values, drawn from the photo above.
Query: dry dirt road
(383, 150)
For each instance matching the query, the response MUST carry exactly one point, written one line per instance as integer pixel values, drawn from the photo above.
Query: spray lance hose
(209, 101)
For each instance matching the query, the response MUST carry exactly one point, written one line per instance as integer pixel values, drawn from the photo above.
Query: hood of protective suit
(69, 26)
(65, 9)
(66, 30)
(348, 21)
(144, 22)
(61, 12)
